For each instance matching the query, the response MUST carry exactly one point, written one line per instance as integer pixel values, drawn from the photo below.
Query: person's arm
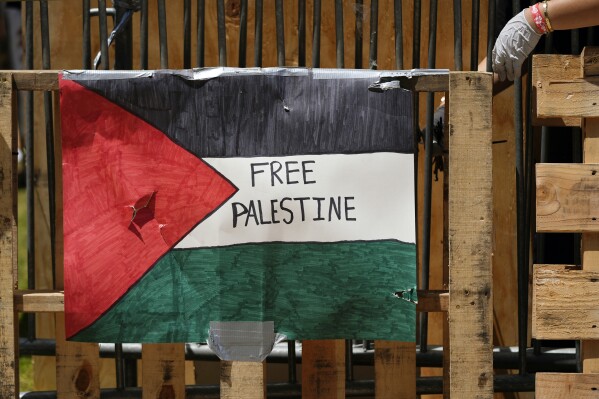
(522, 33)
(572, 14)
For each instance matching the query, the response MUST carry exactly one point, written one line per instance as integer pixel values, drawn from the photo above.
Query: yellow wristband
(546, 15)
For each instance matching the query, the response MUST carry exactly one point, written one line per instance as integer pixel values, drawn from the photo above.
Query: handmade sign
(237, 195)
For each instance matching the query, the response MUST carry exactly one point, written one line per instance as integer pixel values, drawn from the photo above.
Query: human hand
(515, 42)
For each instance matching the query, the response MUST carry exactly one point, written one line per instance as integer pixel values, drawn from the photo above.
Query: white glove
(515, 42)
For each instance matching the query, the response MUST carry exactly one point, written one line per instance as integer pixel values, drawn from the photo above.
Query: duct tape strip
(245, 341)
(211, 73)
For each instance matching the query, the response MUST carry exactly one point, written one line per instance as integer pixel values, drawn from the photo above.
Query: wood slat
(566, 385)
(39, 301)
(323, 369)
(425, 83)
(243, 380)
(36, 80)
(589, 350)
(573, 97)
(395, 370)
(552, 67)
(567, 197)
(53, 301)
(9, 371)
(40, 80)
(565, 302)
(589, 61)
(163, 371)
(432, 301)
(470, 236)
(77, 366)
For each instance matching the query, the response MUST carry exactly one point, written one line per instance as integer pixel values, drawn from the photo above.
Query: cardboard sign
(237, 195)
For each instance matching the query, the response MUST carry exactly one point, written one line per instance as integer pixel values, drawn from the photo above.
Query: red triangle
(130, 194)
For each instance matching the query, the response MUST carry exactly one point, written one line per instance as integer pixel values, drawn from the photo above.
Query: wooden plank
(77, 366)
(567, 197)
(552, 67)
(573, 97)
(589, 61)
(243, 380)
(39, 301)
(432, 301)
(590, 241)
(53, 301)
(446, 342)
(565, 302)
(470, 236)
(36, 80)
(163, 371)
(425, 83)
(9, 371)
(566, 385)
(395, 370)
(45, 324)
(323, 369)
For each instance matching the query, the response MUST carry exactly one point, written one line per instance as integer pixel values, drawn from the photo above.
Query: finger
(499, 69)
(501, 73)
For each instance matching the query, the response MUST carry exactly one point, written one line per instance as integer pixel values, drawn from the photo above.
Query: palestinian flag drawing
(237, 195)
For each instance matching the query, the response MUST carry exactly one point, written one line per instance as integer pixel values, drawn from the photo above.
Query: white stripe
(377, 190)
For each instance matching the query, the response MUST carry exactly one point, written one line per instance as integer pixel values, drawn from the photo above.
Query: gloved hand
(515, 42)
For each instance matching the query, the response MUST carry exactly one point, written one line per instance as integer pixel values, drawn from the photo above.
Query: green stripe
(310, 290)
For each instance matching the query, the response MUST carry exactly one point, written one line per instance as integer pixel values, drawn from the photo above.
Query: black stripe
(267, 115)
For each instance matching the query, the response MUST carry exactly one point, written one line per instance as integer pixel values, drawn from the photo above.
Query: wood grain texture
(589, 351)
(470, 236)
(589, 61)
(39, 301)
(9, 385)
(426, 83)
(572, 97)
(37, 80)
(242, 380)
(323, 369)
(567, 197)
(566, 385)
(552, 67)
(432, 301)
(395, 370)
(45, 323)
(446, 341)
(565, 302)
(163, 371)
(77, 366)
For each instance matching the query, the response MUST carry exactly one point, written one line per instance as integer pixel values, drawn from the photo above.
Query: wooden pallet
(566, 89)
(468, 302)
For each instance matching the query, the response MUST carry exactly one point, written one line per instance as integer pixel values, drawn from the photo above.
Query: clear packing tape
(245, 341)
